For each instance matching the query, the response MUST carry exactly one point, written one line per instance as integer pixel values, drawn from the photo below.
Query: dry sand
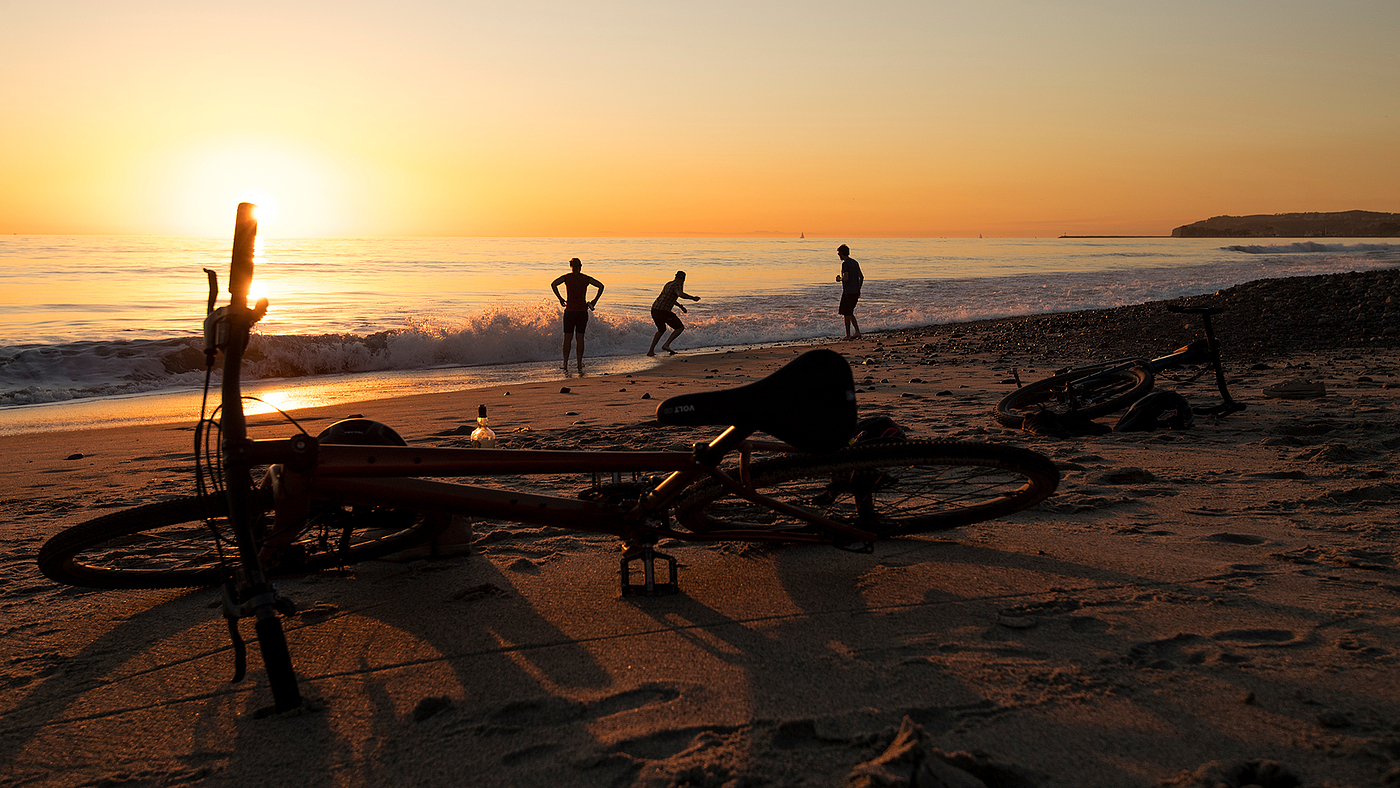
(1209, 607)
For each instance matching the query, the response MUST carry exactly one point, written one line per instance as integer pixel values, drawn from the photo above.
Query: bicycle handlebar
(245, 233)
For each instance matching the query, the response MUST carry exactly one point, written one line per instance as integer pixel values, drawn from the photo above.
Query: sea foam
(366, 307)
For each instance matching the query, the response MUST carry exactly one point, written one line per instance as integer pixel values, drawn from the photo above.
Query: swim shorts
(575, 322)
(848, 303)
(665, 317)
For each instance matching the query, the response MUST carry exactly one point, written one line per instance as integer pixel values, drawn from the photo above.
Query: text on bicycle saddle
(809, 404)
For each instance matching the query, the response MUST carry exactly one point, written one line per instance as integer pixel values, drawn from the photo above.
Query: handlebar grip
(245, 233)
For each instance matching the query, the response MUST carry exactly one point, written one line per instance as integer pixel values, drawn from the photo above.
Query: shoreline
(1187, 606)
(1263, 319)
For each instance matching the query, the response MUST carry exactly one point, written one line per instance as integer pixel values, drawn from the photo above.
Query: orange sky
(639, 118)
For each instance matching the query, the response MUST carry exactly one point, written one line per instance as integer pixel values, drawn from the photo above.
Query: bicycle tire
(170, 544)
(889, 489)
(1111, 392)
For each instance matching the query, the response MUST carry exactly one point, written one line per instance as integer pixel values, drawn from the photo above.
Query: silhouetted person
(662, 315)
(851, 279)
(576, 306)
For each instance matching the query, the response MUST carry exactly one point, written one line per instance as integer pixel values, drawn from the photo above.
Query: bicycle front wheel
(888, 489)
(177, 544)
(1088, 391)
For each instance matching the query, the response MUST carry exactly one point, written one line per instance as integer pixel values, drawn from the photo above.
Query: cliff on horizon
(1340, 224)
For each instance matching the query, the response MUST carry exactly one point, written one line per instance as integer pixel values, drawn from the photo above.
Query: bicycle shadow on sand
(149, 698)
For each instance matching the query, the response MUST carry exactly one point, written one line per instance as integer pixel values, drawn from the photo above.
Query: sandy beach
(1214, 606)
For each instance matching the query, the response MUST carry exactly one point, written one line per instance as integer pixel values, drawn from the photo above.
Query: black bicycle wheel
(899, 487)
(1070, 393)
(171, 544)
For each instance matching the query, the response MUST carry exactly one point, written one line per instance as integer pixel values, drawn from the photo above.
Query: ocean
(107, 330)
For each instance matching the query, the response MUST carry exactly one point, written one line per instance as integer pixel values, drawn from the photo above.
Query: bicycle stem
(707, 455)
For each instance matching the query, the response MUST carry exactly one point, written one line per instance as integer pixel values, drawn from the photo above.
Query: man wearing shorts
(851, 279)
(576, 306)
(662, 315)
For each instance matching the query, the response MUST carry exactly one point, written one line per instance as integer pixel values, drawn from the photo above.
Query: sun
(298, 194)
(267, 206)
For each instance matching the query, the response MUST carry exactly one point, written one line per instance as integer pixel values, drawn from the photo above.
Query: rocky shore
(1262, 320)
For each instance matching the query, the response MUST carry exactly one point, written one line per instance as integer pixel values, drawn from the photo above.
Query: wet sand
(1209, 606)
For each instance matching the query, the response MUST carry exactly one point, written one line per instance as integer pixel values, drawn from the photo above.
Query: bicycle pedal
(650, 585)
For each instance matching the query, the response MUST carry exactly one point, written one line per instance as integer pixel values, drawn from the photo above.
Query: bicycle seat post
(1210, 331)
(1228, 405)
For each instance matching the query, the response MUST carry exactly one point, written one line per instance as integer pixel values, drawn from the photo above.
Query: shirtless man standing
(576, 306)
(851, 279)
(662, 315)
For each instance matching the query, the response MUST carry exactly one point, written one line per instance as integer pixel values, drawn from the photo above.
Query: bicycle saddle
(809, 404)
(1195, 310)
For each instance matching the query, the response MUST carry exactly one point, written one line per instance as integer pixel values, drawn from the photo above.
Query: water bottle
(482, 436)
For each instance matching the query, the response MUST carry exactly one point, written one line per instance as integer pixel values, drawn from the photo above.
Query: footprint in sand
(1297, 475)
(1259, 638)
(551, 711)
(528, 754)
(1087, 625)
(1331, 452)
(1181, 649)
(1249, 570)
(633, 699)
(1356, 557)
(1366, 559)
(483, 591)
(664, 744)
(1353, 644)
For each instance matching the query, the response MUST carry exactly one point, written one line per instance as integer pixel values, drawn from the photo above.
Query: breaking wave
(1309, 247)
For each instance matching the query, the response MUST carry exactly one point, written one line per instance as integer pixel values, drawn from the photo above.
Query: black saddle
(809, 404)
(1195, 310)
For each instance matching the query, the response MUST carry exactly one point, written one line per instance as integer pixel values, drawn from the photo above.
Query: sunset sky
(542, 118)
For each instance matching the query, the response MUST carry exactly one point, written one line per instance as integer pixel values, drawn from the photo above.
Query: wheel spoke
(170, 545)
(899, 487)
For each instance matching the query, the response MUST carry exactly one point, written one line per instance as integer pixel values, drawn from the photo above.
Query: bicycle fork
(247, 593)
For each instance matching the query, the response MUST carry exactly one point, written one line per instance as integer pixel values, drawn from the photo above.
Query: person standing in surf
(662, 315)
(851, 279)
(576, 306)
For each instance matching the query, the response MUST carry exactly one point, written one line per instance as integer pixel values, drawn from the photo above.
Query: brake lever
(213, 290)
(240, 651)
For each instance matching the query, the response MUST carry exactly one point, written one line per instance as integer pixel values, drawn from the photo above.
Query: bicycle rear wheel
(171, 544)
(902, 487)
(1069, 393)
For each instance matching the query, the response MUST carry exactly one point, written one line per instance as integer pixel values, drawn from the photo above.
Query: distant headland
(1341, 224)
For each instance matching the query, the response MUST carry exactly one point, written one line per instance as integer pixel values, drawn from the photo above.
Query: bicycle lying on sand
(1107, 387)
(359, 491)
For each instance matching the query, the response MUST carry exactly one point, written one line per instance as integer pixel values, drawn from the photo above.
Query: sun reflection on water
(271, 401)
